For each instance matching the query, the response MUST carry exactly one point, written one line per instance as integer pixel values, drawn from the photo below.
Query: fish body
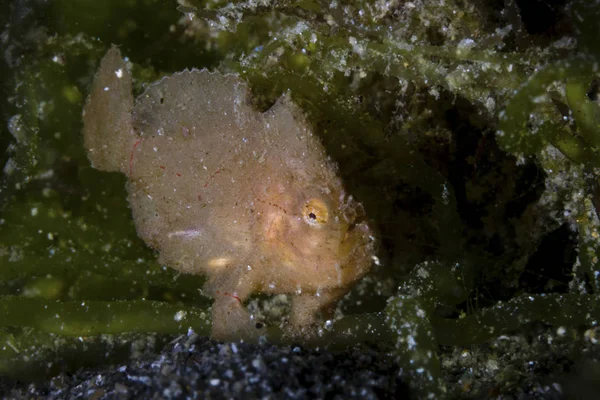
(248, 198)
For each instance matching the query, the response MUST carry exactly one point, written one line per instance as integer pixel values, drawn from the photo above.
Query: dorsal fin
(107, 125)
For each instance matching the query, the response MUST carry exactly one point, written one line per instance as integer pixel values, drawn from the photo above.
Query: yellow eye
(315, 212)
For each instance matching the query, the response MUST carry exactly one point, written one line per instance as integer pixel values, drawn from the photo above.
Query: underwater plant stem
(589, 249)
(572, 147)
(585, 112)
(149, 274)
(346, 332)
(554, 309)
(415, 344)
(85, 318)
(409, 317)
(27, 354)
(515, 134)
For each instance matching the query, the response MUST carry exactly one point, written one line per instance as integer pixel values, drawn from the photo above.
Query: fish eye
(316, 212)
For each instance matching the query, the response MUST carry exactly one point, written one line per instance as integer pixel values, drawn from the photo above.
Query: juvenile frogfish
(248, 198)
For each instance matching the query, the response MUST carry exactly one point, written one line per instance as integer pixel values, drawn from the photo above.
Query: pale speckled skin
(248, 198)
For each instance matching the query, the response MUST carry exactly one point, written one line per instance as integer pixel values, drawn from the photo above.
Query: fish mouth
(357, 233)
(360, 222)
(356, 250)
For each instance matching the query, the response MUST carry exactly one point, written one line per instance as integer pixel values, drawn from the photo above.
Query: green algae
(517, 136)
(89, 318)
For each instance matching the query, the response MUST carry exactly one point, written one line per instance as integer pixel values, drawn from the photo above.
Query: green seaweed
(410, 315)
(88, 318)
(518, 136)
(552, 309)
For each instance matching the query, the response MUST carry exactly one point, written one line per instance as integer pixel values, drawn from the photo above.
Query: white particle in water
(179, 315)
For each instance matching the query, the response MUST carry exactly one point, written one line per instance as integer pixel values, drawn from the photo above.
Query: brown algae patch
(248, 198)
